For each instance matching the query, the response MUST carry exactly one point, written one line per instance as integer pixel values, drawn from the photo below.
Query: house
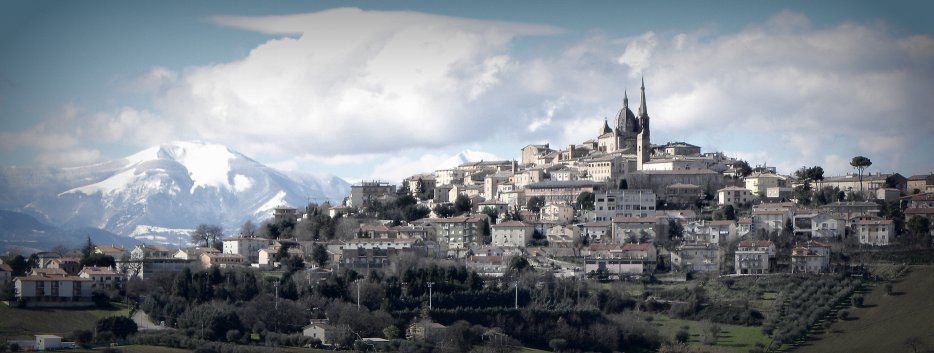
(759, 183)
(887, 194)
(598, 231)
(560, 213)
(424, 330)
(457, 233)
(920, 183)
(222, 260)
(321, 330)
(683, 194)
(623, 203)
(45, 257)
(875, 232)
(694, 257)
(6, 273)
(819, 224)
(714, 232)
(631, 229)
(114, 251)
(922, 200)
(492, 205)
(810, 257)
(770, 219)
(562, 235)
(364, 253)
(420, 185)
(285, 213)
(488, 265)
(561, 191)
(735, 196)
(870, 182)
(621, 259)
(48, 342)
(101, 277)
(365, 192)
(512, 234)
(267, 256)
(853, 209)
(779, 193)
(245, 246)
(71, 265)
(149, 267)
(194, 253)
(150, 252)
(753, 257)
(53, 291)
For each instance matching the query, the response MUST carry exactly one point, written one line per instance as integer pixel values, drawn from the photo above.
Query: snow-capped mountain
(161, 192)
(468, 156)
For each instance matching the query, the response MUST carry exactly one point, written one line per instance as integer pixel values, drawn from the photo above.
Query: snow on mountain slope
(468, 156)
(174, 186)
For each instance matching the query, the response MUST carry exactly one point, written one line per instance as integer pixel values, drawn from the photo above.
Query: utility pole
(358, 295)
(429, 294)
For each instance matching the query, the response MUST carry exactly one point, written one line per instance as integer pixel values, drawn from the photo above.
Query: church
(631, 135)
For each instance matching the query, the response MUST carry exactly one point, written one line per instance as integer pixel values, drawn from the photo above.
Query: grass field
(24, 323)
(732, 338)
(886, 321)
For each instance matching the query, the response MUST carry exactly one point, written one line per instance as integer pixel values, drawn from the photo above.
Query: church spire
(625, 99)
(643, 112)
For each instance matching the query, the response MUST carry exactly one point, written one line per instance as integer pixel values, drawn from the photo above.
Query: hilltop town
(652, 244)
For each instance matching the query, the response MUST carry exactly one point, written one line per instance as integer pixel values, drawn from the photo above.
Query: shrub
(844, 314)
(682, 336)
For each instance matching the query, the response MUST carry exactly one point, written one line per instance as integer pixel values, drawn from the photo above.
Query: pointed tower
(606, 128)
(643, 140)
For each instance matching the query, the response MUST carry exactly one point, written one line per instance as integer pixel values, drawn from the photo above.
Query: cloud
(396, 168)
(348, 86)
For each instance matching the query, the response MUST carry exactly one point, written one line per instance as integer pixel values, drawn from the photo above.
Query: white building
(876, 232)
(623, 203)
(512, 234)
(53, 291)
(752, 257)
(735, 196)
(247, 247)
(557, 212)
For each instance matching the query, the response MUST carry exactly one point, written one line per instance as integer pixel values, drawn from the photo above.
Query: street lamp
(429, 294)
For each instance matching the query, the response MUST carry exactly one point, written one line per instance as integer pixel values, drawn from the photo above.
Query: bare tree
(209, 234)
(248, 229)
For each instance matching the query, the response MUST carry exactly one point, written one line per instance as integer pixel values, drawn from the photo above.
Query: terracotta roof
(5, 268)
(874, 222)
(721, 223)
(52, 278)
(919, 210)
(509, 224)
(638, 247)
(755, 243)
(634, 219)
(94, 270)
(928, 196)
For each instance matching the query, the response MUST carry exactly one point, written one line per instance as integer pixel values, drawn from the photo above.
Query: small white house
(512, 234)
(48, 342)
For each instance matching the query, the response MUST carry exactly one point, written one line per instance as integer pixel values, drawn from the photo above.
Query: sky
(387, 89)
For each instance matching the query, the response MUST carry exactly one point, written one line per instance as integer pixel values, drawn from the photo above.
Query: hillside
(886, 321)
(20, 230)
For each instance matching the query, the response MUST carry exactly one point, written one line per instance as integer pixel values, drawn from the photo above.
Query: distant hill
(22, 231)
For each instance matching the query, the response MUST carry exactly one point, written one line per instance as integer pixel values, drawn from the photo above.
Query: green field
(24, 323)
(886, 321)
(732, 338)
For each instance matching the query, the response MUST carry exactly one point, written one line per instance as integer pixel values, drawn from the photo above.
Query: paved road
(145, 323)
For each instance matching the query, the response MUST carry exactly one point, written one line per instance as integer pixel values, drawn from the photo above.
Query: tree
(558, 344)
(99, 260)
(319, 255)
(585, 200)
(728, 212)
(119, 326)
(860, 163)
(391, 332)
(209, 234)
(88, 249)
(444, 210)
(462, 204)
(18, 264)
(920, 228)
(518, 263)
(535, 203)
(682, 336)
(743, 168)
(623, 184)
(248, 229)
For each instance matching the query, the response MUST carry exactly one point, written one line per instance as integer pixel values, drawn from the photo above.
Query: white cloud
(346, 86)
